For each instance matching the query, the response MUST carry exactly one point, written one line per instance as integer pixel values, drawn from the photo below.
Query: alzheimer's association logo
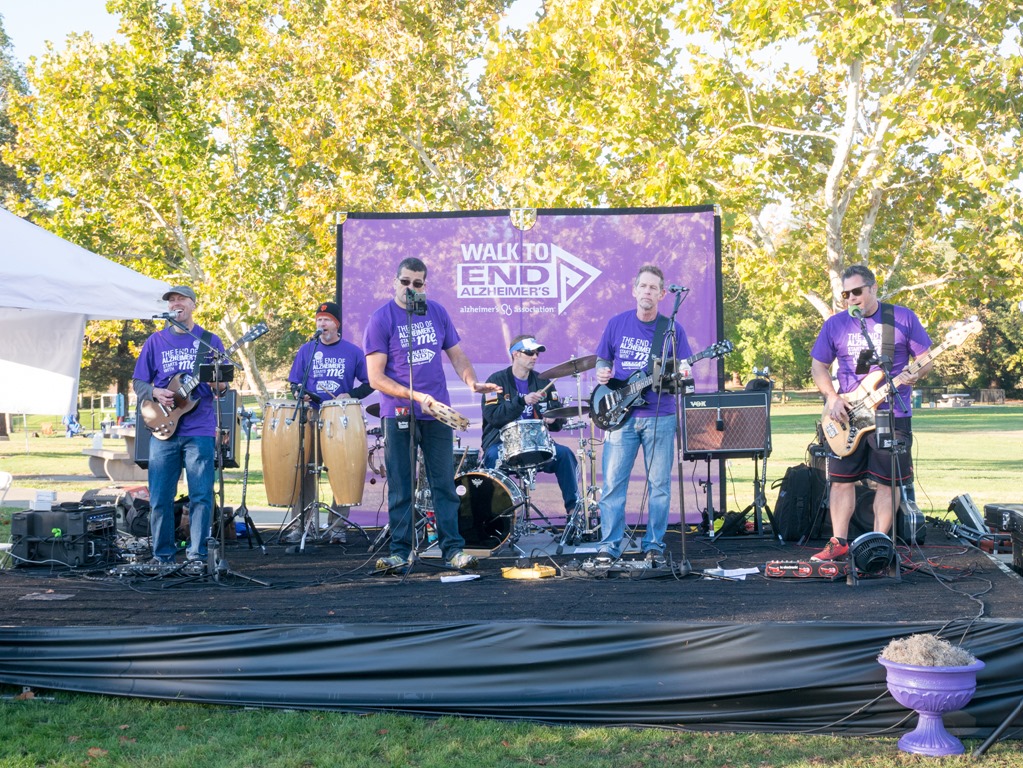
(542, 274)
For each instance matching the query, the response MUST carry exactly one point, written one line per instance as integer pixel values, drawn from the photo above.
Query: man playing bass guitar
(842, 339)
(628, 344)
(167, 354)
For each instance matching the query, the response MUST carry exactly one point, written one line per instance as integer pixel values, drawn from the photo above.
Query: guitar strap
(888, 331)
(659, 330)
(204, 341)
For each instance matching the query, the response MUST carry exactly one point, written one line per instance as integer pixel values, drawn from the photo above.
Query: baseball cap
(527, 345)
(182, 290)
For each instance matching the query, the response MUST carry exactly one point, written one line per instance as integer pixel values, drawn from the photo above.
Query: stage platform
(625, 643)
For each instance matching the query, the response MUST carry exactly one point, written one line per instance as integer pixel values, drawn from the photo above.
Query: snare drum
(343, 447)
(525, 443)
(487, 508)
(466, 460)
(280, 446)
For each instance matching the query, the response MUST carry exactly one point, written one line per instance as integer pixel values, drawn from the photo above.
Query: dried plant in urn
(931, 676)
(926, 651)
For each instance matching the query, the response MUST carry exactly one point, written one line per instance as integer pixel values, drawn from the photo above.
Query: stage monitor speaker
(725, 425)
(229, 431)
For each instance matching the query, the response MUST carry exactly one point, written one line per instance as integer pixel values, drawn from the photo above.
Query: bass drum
(280, 447)
(343, 447)
(488, 504)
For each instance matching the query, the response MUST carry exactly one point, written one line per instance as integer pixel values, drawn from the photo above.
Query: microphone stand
(413, 445)
(885, 364)
(302, 413)
(684, 568)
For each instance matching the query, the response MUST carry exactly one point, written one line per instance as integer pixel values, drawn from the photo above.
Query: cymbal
(373, 409)
(567, 412)
(570, 367)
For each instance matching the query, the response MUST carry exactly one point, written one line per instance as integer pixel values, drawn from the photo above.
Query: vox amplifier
(725, 425)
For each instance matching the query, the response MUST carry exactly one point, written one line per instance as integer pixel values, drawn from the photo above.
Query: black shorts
(876, 463)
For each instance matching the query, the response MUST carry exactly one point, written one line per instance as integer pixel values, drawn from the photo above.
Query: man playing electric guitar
(166, 354)
(629, 342)
(842, 339)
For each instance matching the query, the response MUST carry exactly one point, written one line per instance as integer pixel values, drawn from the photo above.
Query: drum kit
(494, 510)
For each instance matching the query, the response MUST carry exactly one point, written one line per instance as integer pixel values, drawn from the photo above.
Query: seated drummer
(335, 366)
(521, 398)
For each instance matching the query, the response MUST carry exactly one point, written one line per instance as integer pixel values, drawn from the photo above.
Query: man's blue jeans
(656, 435)
(166, 460)
(437, 443)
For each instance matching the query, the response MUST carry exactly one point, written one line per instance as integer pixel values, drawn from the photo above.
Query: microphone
(317, 334)
(168, 315)
(719, 424)
(677, 289)
(856, 312)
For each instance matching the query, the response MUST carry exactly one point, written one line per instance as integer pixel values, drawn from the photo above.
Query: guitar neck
(879, 394)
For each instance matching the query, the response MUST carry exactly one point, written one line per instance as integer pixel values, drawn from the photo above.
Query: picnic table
(116, 464)
(956, 399)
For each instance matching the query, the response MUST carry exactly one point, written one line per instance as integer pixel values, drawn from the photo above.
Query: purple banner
(559, 277)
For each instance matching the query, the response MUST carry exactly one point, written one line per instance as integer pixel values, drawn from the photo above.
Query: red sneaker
(836, 549)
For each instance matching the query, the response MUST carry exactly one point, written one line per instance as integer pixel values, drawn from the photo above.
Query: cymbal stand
(585, 518)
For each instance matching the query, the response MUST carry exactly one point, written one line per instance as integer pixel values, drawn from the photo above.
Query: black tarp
(782, 677)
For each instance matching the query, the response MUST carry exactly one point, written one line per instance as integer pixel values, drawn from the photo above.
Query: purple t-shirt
(432, 333)
(334, 370)
(841, 338)
(167, 353)
(626, 342)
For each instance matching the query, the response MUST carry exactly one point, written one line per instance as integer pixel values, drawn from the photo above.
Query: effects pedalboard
(159, 570)
(607, 568)
(805, 569)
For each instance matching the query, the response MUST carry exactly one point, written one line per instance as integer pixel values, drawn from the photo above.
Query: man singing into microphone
(630, 342)
(333, 365)
(842, 339)
(165, 354)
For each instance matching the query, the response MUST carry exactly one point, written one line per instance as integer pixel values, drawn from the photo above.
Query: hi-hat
(567, 411)
(373, 409)
(570, 367)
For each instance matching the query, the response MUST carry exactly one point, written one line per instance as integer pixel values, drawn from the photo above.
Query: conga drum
(282, 476)
(343, 448)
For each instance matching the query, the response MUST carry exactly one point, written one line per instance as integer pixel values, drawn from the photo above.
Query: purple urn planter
(932, 691)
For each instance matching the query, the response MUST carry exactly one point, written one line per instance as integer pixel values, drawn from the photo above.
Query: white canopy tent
(49, 288)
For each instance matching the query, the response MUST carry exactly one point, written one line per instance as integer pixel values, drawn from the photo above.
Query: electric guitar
(844, 437)
(163, 422)
(610, 403)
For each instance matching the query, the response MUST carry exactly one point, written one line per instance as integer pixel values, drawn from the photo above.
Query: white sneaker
(462, 560)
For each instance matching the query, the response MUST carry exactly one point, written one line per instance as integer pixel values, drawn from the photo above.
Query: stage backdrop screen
(556, 274)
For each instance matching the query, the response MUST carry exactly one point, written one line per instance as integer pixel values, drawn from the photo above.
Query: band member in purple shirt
(629, 341)
(333, 365)
(842, 339)
(391, 345)
(165, 354)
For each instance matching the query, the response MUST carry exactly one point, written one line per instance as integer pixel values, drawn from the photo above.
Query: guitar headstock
(962, 330)
(254, 333)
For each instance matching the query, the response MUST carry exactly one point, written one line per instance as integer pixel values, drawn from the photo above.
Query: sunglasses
(534, 353)
(417, 284)
(855, 291)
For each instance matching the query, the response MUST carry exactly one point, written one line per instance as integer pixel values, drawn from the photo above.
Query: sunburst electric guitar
(844, 437)
(163, 422)
(610, 403)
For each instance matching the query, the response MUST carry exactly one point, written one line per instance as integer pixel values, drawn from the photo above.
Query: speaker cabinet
(725, 425)
(228, 433)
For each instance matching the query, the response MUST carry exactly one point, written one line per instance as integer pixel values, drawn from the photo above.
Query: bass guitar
(610, 403)
(844, 437)
(163, 422)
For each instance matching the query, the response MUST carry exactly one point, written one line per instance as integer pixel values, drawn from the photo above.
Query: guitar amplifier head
(726, 425)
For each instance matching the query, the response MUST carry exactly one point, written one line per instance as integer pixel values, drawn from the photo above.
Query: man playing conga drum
(525, 396)
(331, 365)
